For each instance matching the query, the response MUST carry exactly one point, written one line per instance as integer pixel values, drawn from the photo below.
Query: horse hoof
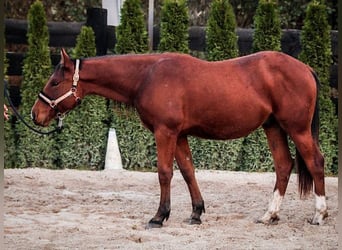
(154, 224)
(270, 221)
(313, 222)
(318, 219)
(195, 221)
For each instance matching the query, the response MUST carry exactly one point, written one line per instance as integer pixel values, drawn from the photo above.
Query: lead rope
(15, 111)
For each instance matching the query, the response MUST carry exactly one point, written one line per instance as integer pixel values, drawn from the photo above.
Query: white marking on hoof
(320, 211)
(271, 216)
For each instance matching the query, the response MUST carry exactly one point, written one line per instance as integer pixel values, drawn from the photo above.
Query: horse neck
(115, 77)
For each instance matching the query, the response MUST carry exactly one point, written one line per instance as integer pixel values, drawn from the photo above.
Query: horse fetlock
(158, 219)
(156, 222)
(197, 209)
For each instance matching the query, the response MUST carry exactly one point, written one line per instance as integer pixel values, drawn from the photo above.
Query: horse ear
(64, 57)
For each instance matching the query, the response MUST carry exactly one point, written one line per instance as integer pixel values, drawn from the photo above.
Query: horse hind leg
(278, 144)
(185, 163)
(310, 164)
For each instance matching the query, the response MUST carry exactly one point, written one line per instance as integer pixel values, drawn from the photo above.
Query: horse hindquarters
(302, 126)
(310, 163)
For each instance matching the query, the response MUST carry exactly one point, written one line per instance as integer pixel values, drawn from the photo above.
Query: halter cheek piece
(72, 92)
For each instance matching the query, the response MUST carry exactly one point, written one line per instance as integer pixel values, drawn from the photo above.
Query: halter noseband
(72, 92)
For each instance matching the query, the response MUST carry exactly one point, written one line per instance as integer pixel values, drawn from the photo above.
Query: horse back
(225, 99)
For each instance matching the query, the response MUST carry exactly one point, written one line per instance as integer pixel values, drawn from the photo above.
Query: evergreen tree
(85, 43)
(316, 52)
(131, 34)
(255, 154)
(35, 150)
(82, 142)
(220, 35)
(267, 31)
(174, 26)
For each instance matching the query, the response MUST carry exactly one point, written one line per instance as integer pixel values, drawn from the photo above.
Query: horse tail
(305, 181)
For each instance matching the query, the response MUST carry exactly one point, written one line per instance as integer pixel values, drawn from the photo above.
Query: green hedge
(84, 147)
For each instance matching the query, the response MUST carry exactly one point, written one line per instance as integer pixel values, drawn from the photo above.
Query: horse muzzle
(41, 115)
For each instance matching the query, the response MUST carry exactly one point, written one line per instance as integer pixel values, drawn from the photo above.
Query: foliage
(267, 31)
(244, 11)
(131, 34)
(213, 154)
(221, 38)
(316, 52)
(255, 153)
(34, 150)
(137, 145)
(56, 10)
(174, 26)
(292, 13)
(85, 43)
(82, 142)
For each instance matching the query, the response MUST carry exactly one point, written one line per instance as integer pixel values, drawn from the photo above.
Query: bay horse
(177, 96)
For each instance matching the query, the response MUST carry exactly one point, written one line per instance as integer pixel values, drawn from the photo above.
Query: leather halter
(72, 92)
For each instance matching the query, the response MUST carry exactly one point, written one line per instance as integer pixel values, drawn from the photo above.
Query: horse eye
(54, 83)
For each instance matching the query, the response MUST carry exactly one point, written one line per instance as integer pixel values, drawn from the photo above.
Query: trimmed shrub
(83, 141)
(221, 38)
(214, 154)
(131, 34)
(85, 43)
(267, 31)
(35, 150)
(174, 26)
(316, 52)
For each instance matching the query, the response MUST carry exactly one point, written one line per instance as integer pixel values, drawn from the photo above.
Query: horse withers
(177, 95)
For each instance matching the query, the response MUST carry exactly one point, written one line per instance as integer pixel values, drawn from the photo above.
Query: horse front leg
(166, 144)
(185, 163)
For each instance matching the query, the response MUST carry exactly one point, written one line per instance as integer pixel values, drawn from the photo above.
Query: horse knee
(165, 174)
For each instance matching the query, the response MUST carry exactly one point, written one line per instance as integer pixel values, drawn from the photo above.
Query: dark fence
(63, 34)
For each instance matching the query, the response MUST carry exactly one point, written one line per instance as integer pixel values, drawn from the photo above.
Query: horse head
(60, 94)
